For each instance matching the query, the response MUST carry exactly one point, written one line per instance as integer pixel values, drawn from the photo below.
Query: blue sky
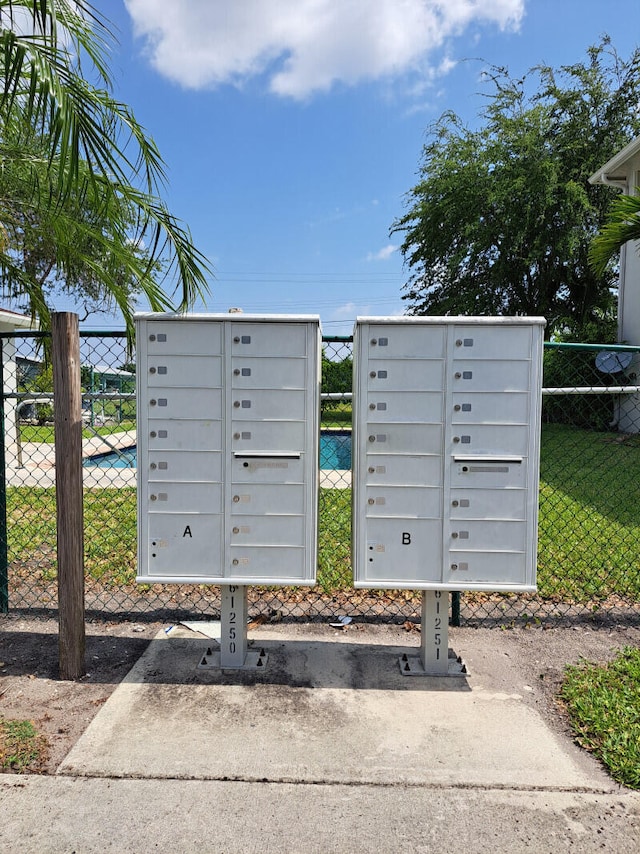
(292, 129)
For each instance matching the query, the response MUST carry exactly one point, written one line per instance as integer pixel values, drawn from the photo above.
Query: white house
(10, 321)
(623, 171)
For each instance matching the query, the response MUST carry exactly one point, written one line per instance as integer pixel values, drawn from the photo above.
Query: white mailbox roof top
(457, 320)
(229, 316)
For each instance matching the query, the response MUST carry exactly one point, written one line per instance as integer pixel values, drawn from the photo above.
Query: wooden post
(65, 350)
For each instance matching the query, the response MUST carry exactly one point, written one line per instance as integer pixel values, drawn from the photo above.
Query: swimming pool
(335, 453)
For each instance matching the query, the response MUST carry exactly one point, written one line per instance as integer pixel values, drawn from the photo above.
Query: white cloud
(382, 254)
(305, 46)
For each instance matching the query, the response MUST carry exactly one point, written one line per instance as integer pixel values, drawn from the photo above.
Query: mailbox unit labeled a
(228, 409)
(446, 416)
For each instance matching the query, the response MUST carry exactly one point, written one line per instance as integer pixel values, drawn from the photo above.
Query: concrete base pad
(331, 707)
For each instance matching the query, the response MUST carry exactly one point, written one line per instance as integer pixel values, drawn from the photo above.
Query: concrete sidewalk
(329, 749)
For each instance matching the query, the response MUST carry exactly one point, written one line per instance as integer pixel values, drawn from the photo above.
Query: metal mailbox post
(446, 459)
(227, 431)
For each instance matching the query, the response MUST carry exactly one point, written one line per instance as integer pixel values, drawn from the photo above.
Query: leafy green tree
(622, 224)
(503, 216)
(79, 186)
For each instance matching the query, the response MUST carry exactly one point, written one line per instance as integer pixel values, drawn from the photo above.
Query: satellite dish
(609, 362)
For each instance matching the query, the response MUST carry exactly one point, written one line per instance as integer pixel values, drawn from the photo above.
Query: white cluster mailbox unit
(445, 453)
(228, 409)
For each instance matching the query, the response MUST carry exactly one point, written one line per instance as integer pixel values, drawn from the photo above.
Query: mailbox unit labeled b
(446, 418)
(228, 409)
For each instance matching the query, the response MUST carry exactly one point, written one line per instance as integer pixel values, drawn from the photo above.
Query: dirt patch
(528, 660)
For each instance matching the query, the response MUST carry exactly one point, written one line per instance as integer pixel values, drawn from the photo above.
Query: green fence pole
(4, 557)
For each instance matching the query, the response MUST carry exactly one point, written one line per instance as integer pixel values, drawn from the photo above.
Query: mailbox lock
(153, 466)
(153, 434)
(372, 438)
(152, 338)
(455, 503)
(152, 402)
(236, 530)
(371, 501)
(457, 407)
(372, 375)
(458, 342)
(372, 406)
(454, 566)
(236, 435)
(236, 373)
(246, 465)
(371, 470)
(236, 498)
(235, 561)
(465, 468)
(152, 370)
(152, 497)
(456, 439)
(374, 341)
(236, 403)
(455, 535)
(458, 375)
(236, 339)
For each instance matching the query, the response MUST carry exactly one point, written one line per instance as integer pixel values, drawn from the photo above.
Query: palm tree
(75, 163)
(622, 224)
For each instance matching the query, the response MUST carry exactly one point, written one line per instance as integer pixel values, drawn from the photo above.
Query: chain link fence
(589, 527)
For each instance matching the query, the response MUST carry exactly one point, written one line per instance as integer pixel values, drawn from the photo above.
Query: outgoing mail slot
(270, 499)
(403, 438)
(203, 371)
(258, 339)
(255, 404)
(490, 408)
(188, 338)
(267, 468)
(250, 372)
(169, 466)
(491, 342)
(184, 403)
(414, 407)
(204, 435)
(417, 375)
(268, 530)
(415, 502)
(185, 497)
(488, 473)
(404, 469)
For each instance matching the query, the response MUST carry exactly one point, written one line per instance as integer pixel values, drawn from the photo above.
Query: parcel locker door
(401, 552)
(183, 544)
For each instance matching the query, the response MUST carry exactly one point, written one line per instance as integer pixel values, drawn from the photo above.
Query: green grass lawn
(589, 529)
(603, 703)
(45, 432)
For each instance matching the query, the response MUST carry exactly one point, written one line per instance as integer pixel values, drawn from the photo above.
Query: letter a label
(187, 532)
